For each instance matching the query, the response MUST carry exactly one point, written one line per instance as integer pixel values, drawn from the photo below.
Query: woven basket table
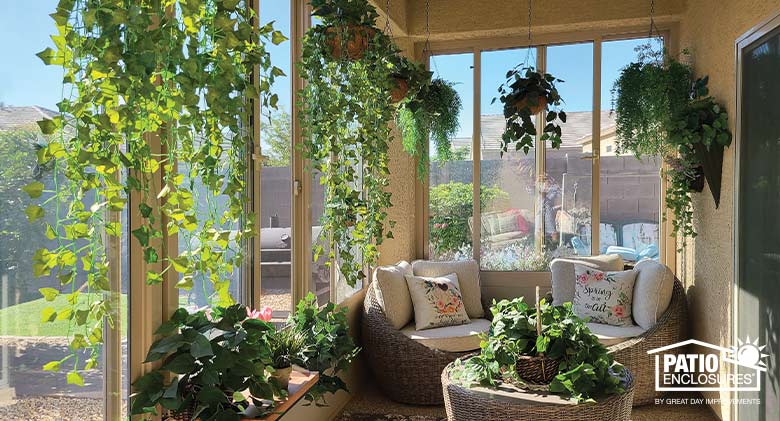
(508, 403)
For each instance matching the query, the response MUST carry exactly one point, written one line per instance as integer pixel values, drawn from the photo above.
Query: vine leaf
(48, 314)
(34, 189)
(50, 294)
(52, 366)
(75, 378)
(34, 213)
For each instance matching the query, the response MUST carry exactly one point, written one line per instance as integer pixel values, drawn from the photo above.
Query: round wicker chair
(671, 328)
(463, 404)
(405, 370)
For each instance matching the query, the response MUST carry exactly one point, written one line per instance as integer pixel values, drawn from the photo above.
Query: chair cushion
(468, 279)
(604, 297)
(613, 335)
(392, 293)
(563, 273)
(437, 301)
(461, 338)
(652, 292)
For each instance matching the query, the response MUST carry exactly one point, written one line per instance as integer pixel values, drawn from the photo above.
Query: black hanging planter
(712, 163)
(696, 184)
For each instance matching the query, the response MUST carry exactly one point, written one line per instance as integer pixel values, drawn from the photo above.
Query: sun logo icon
(748, 354)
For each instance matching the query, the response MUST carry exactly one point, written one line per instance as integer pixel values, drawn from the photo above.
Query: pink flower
(599, 276)
(444, 225)
(583, 279)
(618, 311)
(437, 225)
(265, 314)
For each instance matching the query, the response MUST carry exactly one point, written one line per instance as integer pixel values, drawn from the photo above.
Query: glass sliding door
(758, 230)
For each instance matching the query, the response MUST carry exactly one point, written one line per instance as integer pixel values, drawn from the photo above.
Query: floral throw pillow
(437, 301)
(604, 297)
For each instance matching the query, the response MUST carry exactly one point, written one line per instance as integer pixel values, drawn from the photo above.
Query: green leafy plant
(432, 113)
(216, 356)
(663, 111)
(586, 370)
(526, 93)
(345, 114)
(450, 209)
(344, 12)
(328, 347)
(287, 346)
(177, 74)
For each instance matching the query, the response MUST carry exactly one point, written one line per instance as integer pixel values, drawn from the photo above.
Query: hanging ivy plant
(177, 72)
(525, 94)
(663, 111)
(432, 113)
(346, 111)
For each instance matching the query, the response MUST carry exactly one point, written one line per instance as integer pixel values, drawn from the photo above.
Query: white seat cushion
(393, 293)
(437, 301)
(460, 338)
(612, 335)
(468, 280)
(652, 292)
(563, 273)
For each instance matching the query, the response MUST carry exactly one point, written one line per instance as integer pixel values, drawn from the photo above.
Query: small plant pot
(282, 375)
(541, 105)
(538, 369)
(400, 89)
(697, 183)
(358, 40)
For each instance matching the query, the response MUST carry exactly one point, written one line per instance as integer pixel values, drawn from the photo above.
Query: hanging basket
(400, 89)
(696, 184)
(541, 105)
(358, 40)
(712, 165)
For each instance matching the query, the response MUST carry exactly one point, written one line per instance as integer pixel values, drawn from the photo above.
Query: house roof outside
(16, 117)
(576, 131)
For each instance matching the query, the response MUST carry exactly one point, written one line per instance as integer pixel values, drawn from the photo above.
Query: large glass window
(508, 191)
(450, 197)
(630, 192)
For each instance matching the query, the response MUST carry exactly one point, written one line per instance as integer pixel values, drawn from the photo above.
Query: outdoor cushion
(451, 338)
(652, 292)
(612, 335)
(468, 280)
(563, 273)
(437, 301)
(393, 293)
(507, 236)
(604, 297)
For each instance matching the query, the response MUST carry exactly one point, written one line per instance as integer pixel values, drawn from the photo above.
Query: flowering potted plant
(221, 360)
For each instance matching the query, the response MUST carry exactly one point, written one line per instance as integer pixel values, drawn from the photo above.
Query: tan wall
(707, 264)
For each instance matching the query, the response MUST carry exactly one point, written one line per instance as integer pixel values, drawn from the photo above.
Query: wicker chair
(672, 327)
(406, 371)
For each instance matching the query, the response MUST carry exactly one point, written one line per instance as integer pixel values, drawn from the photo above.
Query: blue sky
(24, 80)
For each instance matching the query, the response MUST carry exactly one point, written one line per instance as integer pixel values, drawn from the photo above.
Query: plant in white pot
(287, 346)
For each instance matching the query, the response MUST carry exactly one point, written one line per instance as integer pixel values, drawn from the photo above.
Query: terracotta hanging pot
(400, 89)
(358, 39)
(540, 106)
(712, 163)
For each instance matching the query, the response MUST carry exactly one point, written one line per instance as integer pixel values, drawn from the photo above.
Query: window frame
(499, 280)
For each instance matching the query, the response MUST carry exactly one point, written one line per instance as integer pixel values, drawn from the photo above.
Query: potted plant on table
(550, 349)
(526, 93)
(221, 362)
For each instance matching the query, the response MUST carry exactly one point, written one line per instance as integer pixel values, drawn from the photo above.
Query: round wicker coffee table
(510, 403)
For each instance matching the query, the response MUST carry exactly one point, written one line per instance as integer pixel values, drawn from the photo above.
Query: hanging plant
(432, 114)
(178, 72)
(348, 26)
(346, 111)
(525, 94)
(408, 78)
(662, 111)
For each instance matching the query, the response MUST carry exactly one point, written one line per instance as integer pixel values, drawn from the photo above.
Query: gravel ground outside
(51, 408)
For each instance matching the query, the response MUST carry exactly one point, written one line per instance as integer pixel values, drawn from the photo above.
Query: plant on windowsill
(287, 347)
(328, 347)
(158, 111)
(663, 111)
(221, 361)
(585, 370)
(346, 109)
(525, 94)
(432, 115)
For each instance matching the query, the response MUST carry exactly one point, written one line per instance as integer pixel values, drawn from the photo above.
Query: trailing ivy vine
(346, 111)
(139, 72)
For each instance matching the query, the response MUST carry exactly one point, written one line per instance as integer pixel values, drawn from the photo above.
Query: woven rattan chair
(406, 371)
(672, 327)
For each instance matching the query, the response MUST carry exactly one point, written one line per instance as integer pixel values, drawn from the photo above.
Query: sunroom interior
(297, 192)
